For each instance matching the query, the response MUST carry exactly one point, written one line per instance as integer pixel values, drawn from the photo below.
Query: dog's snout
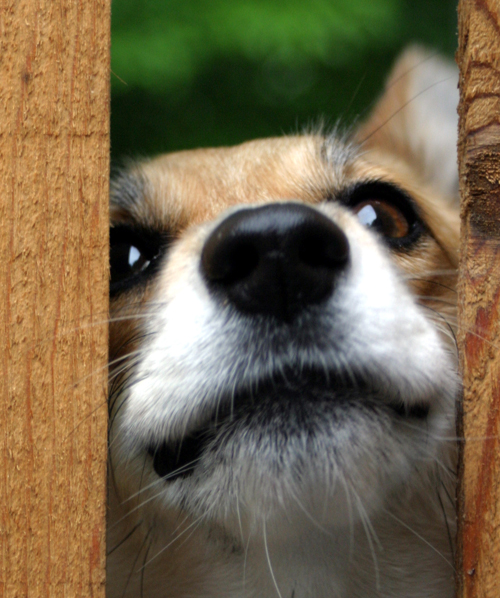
(276, 259)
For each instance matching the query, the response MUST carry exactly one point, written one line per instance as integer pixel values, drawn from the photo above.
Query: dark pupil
(126, 260)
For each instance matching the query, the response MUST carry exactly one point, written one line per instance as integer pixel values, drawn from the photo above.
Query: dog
(283, 374)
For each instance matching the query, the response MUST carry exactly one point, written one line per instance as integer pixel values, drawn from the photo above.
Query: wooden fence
(54, 168)
(478, 56)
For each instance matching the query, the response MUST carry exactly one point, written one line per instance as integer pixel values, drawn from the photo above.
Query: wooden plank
(478, 570)
(54, 148)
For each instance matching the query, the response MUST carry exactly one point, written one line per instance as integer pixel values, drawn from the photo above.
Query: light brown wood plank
(478, 57)
(54, 164)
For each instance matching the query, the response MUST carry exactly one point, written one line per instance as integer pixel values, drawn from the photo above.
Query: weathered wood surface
(478, 562)
(54, 148)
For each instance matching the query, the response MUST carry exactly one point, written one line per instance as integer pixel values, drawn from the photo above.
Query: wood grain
(54, 164)
(478, 561)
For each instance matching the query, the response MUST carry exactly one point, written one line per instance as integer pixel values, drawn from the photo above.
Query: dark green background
(190, 73)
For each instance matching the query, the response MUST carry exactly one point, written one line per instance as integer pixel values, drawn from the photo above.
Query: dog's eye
(126, 260)
(387, 210)
(383, 217)
(133, 255)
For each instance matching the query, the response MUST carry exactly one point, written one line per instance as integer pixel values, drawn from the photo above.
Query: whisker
(123, 540)
(447, 524)
(420, 537)
(402, 107)
(268, 558)
(308, 515)
(182, 469)
(132, 568)
(434, 282)
(162, 550)
(370, 536)
(143, 568)
(395, 80)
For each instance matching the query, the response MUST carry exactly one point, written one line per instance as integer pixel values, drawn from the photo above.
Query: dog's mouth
(180, 458)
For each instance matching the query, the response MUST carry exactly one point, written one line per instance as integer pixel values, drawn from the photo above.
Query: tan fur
(183, 191)
(201, 184)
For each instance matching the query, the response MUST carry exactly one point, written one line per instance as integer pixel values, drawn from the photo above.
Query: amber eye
(387, 210)
(384, 217)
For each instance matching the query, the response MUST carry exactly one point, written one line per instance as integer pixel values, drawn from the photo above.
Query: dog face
(283, 379)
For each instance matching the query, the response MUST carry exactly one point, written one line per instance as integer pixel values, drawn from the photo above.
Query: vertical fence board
(478, 571)
(54, 163)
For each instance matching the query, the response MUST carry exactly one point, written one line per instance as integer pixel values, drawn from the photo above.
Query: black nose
(275, 260)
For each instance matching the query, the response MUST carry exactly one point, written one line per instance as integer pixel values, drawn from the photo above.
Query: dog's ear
(416, 118)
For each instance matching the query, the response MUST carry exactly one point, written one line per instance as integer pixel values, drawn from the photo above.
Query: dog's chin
(310, 445)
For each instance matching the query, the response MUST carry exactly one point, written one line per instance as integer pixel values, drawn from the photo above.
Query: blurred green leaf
(162, 45)
(189, 73)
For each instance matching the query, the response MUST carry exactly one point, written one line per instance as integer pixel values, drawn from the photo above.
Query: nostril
(276, 259)
(322, 248)
(244, 260)
(230, 260)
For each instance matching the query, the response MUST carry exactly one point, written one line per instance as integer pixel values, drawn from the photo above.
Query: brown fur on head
(406, 140)
(200, 364)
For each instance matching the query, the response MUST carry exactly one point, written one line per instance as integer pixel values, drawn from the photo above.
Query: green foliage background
(190, 73)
